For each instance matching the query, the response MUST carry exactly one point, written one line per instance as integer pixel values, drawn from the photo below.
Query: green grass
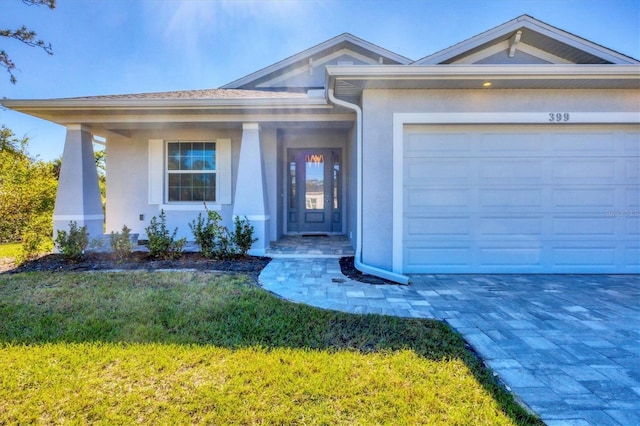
(191, 347)
(10, 250)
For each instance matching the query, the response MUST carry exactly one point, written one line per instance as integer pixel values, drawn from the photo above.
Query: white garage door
(521, 199)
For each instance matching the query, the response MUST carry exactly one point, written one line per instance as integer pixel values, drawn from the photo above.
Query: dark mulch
(141, 261)
(251, 265)
(348, 269)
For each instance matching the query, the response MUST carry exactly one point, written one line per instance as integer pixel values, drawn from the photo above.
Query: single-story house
(515, 151)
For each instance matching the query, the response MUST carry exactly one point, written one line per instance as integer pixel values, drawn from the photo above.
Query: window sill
(195, 207)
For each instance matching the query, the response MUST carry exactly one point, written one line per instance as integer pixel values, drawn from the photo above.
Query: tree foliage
(26, 36)
(27, 190)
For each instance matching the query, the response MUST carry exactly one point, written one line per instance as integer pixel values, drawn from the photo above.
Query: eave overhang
(72, 111)
(351, 81)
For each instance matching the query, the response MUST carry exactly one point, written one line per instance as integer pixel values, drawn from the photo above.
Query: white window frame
(168, 172)
(159, 176)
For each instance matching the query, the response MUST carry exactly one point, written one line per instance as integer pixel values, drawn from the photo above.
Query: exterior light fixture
(486, 84)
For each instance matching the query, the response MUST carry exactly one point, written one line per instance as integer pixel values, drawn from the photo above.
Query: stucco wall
(380, 105)
(127, 176)
(127, 179)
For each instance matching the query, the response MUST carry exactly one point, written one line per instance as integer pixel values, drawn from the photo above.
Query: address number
(557, 117)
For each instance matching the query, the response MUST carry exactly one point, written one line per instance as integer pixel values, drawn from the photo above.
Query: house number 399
(559, 116)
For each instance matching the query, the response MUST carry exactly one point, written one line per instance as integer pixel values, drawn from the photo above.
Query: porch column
(78, 196)
(251, 189)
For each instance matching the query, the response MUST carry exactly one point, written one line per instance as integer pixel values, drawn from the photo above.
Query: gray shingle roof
(201, 94)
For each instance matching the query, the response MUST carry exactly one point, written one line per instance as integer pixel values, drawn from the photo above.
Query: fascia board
(532, 24)
(469, 44)
(23, 104)
(314, 51)
(579, 43)
(483, 71)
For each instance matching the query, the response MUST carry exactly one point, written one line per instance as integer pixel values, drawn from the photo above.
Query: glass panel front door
(314, 203)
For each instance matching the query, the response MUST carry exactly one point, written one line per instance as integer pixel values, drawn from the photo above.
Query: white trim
(195, 207)
(156, 174)
(539, 53)
(81, 127)
(482, 54)
(251, 126)
(400, 120)
(504, 46)
(317, 63)
(77, 217)
(532, 24)
(223, 170)
(256, 217)
(313, 51)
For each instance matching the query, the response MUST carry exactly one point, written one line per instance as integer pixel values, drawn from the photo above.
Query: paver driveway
(567, 345)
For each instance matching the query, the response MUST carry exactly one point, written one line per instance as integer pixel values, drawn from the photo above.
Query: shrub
(243, 235)
(214, 239)
(72, 244)
(121, 244)
(36, 238)
(162, 244)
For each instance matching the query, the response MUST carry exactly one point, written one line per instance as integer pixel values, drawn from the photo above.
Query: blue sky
(132, 46)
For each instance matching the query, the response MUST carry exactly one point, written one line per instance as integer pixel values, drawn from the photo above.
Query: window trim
(158, 180)
(168, 172)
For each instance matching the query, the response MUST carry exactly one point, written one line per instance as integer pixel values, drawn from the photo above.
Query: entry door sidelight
(314, 190)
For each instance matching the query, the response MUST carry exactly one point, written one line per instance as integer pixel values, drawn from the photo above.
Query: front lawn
(180, 347)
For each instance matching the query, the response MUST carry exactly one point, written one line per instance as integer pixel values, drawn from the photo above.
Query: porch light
(486, 84)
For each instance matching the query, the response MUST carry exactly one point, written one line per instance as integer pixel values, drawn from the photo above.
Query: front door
(314, 190)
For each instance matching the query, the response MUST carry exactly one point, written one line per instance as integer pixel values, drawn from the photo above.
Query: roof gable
(526, 40)
(305, 70)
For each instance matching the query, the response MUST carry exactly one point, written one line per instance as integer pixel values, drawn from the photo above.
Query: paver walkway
(567, 345)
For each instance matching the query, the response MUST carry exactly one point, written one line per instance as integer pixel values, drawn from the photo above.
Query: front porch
(310, 246)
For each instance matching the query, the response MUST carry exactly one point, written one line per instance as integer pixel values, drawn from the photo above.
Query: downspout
(367, 269)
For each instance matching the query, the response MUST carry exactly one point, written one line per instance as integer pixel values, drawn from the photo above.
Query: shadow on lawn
(206, 309)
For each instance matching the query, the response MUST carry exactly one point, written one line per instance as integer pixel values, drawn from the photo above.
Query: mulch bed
(142, 261)
(349, 270)
(251, 265)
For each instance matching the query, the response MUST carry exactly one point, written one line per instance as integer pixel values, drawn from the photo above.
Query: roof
(198, 94)
(561, 44)
(342, 41)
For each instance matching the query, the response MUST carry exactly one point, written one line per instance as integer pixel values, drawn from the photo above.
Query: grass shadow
(228, 311)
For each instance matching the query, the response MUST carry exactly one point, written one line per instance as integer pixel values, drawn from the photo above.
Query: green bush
(121, 244)
(243, 235)
(214, 239)
(72, 244)
(162, 243)
(36, 238)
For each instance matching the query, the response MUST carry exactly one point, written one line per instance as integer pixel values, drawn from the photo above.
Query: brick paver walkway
(568, 346)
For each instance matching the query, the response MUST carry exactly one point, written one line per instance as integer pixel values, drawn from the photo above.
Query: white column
(78, 197)
(251, 189)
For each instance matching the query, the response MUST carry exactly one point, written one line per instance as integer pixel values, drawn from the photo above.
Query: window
(184, 174)
(191, 171)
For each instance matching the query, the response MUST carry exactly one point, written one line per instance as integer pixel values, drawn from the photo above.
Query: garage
(520, 198)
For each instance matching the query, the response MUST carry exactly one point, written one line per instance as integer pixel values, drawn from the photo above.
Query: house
(515, 151)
